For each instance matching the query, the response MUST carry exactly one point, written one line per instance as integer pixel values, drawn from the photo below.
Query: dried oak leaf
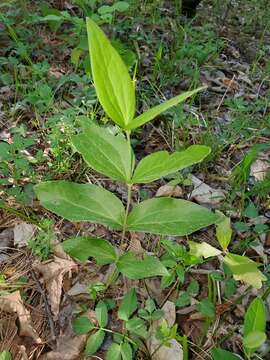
(12, 303)
(53, 273)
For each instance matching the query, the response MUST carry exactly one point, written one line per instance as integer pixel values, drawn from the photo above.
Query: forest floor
(46, 88)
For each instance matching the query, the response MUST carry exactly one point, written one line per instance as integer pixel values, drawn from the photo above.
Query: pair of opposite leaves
(112, 156)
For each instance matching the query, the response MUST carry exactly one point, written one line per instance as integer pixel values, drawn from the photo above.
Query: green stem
(266, 294)
(115, 332)
(20, 215)
(129, 188)
(185, 347)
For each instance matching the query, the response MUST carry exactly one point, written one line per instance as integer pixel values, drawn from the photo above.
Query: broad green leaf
(161, 163)
(224, 232)
(254, 340)
(128, 305)
(202, 249)
(126, 351)
(114, 87)
(136, 269)
(83, 247)
(245, 270)
(114, 352)
(82, 325)
(156, 110)
(137, 326)
(94, 342)
(193, 288)
(81, 202)
(166, 281)
(5, 355)
(220, 354)
(101, 313)
(206, 307)
(255, 321)
(121, 6)
(104, 152)
(167, 216)
(183, 300)
(251, 211)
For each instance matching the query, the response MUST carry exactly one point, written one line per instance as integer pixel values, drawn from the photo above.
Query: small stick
(225, 93)
(47, 307)
(169, 293)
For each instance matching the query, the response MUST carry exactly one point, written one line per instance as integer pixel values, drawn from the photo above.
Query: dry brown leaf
(68, 348)
(53, 273)
(12, 303)
(174, 352)
(23, 232)
(204, 194)
(135, 243)
(259, 169)
(169, 190)
(231, 83)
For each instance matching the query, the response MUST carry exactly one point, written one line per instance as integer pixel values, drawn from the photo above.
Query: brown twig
(46, 304)
(169, 293)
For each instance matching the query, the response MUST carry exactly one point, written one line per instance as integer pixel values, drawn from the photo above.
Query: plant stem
(129, 188)
(20, 215)
(185, 347)
(115, 332)
(266, 294)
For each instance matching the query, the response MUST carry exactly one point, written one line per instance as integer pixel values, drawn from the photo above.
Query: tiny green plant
(41, 245)
(134, 327)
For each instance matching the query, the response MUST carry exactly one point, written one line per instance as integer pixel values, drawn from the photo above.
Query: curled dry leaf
(169, 190)
(53, 273)
(174, 352)
(23, 232)
(12, 303)
(204, 194)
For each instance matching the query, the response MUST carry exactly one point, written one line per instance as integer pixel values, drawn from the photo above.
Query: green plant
(242, 268)
(5, 355)
(177, 260)
(17, 166)
(125, 343)
(113, 156)
(220, 354)
(41, 245)
(254, 326)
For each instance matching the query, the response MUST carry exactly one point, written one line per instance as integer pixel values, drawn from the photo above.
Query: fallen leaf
(204, 194)
(174, 352)
(259, 169)
(23, 232)
(68, 348)
(231, 83)
(12, 303)
(170, 190)
(6, 238)
(53, 273)
(135, 243)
